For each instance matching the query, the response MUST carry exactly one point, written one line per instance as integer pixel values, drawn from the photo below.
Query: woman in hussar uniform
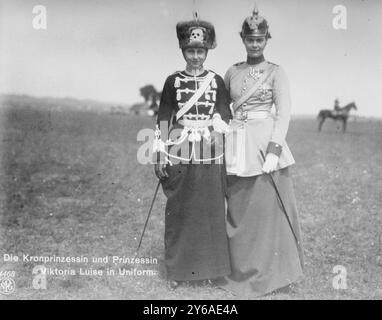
(265, 252)
(194, 104)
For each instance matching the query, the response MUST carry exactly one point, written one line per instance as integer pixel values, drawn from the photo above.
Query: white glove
(270, 164)
(219, 125)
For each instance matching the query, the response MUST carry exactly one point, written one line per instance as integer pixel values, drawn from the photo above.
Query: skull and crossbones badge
(197, 35)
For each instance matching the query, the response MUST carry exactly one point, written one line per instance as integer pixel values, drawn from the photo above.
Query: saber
(282, 204)
(147, 219)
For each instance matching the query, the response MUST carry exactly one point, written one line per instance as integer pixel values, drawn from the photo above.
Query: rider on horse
(339, 113)
(337, 108)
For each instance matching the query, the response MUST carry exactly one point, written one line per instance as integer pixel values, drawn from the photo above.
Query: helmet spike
(255, 11)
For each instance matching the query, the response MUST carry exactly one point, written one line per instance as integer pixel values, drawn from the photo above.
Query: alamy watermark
(339, 281)
(39, 20)
(340, 19)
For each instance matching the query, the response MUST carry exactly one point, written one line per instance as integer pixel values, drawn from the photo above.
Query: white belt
(249, 115)
(196, 123)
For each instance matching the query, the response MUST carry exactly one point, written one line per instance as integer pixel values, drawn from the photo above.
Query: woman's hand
(270, 164)
(160, 171)
(219, 125)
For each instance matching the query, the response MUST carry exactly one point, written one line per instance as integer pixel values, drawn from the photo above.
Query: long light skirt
(264, 254)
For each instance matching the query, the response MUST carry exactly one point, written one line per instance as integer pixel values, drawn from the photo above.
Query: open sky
(107, 50)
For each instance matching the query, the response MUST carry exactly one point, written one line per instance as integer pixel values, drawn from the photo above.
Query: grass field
(71, 186)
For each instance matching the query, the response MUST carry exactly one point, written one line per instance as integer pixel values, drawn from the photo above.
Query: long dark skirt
(264, 254)
(196, 244)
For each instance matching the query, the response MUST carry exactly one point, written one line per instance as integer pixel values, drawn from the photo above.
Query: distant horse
(341, 114)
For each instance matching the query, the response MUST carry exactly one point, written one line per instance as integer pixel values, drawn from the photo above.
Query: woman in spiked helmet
(194, 106)
(264, 236)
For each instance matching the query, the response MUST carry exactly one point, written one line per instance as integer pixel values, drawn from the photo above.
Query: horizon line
(126, 104)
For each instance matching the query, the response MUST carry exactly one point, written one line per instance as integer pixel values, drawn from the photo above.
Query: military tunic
(252, 135)
(264, 255)
(196, 244)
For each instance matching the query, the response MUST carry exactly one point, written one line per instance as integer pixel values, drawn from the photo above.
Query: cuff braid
(274, 148)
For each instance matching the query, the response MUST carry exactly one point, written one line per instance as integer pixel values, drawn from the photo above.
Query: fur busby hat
(196, 34)
(255, 25)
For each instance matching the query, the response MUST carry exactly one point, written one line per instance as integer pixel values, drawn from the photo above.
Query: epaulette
(238, 64)
(275, 64)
